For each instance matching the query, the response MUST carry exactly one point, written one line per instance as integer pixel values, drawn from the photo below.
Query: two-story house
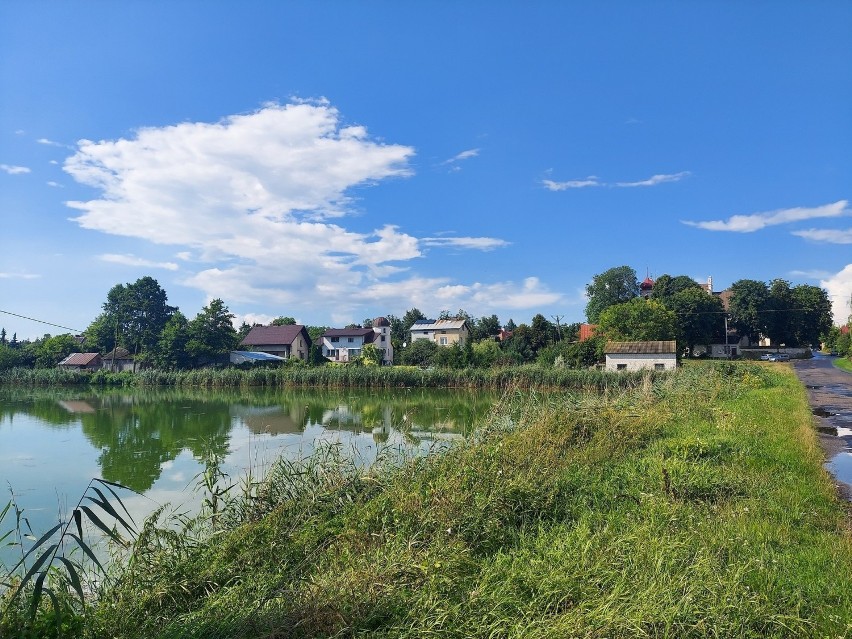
(443, 332)
(345, 344)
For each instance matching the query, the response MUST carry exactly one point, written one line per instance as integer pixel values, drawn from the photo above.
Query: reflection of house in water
(271, 420)
(77, 406)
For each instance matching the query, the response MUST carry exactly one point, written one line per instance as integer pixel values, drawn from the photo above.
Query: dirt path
(830, 395)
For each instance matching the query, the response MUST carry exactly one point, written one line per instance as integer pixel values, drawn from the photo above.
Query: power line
(33, 319)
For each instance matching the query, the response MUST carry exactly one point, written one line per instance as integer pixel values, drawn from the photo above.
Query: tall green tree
(748, 306)
(700, 316)
(135, 314)
(49, 351)
(638, 320)
(284, 321)
(781, 316)
(614, 286)
(212, 331)
(813, 312)
(171, 353)
(666, 287)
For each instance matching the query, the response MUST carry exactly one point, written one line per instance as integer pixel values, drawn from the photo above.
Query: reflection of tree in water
(136, 435)
(138, 431)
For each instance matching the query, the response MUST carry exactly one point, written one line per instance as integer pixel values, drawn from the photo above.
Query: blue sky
(335, 161)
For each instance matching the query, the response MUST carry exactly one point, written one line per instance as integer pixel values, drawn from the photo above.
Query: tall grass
(689, 505)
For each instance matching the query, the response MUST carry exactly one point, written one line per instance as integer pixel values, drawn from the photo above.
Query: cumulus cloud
(758, 221)
(654, 180)
(14, 170)
(830, 236)
(258, 203)
(132, 260)
(839, 287)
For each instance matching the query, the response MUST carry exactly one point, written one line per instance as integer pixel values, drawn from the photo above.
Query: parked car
(765, 357)
(779, 357)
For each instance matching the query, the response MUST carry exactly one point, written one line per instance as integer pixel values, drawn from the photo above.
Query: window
(383, 338)
(334, 339)
(443, 341)
(621, 367)
(350, 339)
(659, 367)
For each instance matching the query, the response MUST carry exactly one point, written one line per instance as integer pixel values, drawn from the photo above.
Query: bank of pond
(692, 504)
(338, 376)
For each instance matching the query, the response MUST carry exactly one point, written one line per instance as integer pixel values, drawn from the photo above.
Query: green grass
(843, 363)
(690, 505)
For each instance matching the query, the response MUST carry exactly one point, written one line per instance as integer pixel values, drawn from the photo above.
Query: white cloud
(55, 185)
(260, 200)
(552, 185)
(811, 275)
(758, 221)
(14, 170)
(839, 287)
(464, 155)
(831, 236)
(656, 179)
(18, 276)
(481, 243)
(132, 260)
(47, 142)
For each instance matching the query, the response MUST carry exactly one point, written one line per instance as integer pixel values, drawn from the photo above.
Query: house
(443, 332)
(119, 359)
(345, 344)
(82, 362)
(636, 356)
(283, 341)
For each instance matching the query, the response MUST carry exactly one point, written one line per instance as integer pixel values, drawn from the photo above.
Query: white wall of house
(342, 349)
(382, 341)
(638, 362)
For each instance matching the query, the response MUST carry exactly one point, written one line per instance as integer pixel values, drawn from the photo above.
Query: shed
(637, 356)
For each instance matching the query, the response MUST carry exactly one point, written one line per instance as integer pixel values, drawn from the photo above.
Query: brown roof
(79, 359)
(349, 332)
(641, 348)
(118, 353)
(268, 335)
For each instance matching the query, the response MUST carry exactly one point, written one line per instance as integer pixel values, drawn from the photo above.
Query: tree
(212, 331)
(700, 316)
(172, 346)
(780, 316)
(638, 320)
(3, 336)
(614, 286)
(542, 333)
(49, 351)
(135, 314)
(421, 352)
(283, 321)
(411, 316)
(485, 327)
(748, 305)
(370, 355)
(666, 287)
(813, 313)
(510, 325)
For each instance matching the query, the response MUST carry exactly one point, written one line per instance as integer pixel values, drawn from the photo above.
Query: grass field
(693, 505)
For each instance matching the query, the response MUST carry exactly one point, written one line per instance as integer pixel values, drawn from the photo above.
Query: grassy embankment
(843, 363)
(692, 507)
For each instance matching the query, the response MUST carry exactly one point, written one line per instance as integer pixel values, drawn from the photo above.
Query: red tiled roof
(79, 359)
(268, 335)
(587, 331)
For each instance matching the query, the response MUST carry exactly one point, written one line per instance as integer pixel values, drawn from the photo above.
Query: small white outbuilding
(637, 356)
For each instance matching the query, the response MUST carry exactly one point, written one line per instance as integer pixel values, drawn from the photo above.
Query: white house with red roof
(345, 344)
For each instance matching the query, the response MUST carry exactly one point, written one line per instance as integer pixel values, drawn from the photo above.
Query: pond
(54, 441)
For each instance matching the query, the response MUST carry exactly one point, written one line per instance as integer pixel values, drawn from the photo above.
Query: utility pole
(558, 318)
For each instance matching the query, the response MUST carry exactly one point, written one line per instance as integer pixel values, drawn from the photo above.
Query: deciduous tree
(614, 286)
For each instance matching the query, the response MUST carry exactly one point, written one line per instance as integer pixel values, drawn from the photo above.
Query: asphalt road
(830, 395)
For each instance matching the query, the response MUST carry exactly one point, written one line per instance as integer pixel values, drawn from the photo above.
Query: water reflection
(134, 435)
